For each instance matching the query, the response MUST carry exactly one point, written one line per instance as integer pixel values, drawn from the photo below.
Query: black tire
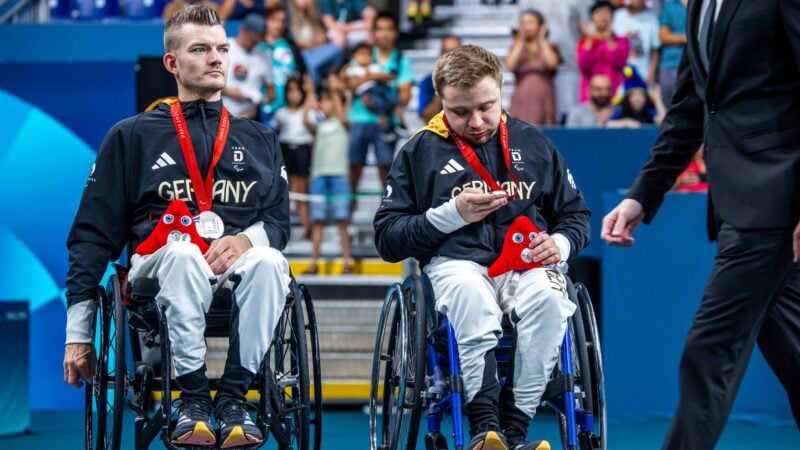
(290, 378)
(315, 409)
(596, 371)
(399, 363)
(103, 419)
(417, 355)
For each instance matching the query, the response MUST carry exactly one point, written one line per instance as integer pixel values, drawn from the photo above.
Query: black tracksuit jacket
(420, 179)
(140, 168)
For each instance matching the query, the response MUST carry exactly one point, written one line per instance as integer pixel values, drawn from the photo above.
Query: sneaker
(193, 426)
(533, 445)
(236, 428)
(489, 440)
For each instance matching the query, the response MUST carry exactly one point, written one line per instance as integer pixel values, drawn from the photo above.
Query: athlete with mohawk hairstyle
(230, 173)
(452, 193)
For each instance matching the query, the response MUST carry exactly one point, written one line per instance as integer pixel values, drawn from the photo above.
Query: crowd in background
(329, 78)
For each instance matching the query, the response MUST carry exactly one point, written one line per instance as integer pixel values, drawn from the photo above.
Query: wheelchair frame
(409, 326)
(284, 410)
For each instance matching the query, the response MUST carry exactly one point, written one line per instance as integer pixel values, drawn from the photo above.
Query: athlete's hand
(544, 249)
(225, 251)
(474, 205)
(79, 362)
(618, 225)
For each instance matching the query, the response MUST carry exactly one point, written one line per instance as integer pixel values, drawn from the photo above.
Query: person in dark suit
(738, 93)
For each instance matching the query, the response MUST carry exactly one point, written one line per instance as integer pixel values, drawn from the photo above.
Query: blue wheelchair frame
(454, 399)
(443, 387)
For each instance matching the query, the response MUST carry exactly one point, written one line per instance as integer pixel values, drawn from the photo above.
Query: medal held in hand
(208, 223)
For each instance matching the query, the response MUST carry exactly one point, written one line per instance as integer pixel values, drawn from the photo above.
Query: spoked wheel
(105, 395)
(398, 368)
(290, 381)
(583, 386)
(315, 410)
(595, 372)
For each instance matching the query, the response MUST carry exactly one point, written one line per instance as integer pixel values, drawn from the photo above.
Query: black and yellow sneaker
(193, 426)
(489, 440)
(236, 427)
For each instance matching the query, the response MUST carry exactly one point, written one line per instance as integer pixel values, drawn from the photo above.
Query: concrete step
(331, 290)
(346, 366)
(348, 313)
(342, 339)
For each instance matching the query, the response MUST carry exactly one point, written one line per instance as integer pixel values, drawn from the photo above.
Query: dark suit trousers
(753, 295)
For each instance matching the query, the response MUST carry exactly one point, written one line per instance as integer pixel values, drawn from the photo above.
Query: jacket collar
(192, 108)
(436, 125)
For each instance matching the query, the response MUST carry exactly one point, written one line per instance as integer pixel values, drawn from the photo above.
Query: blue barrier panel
(77, 41)
(650, 294)
(602, 160)
(44, 168)
(15, 413)
(88, 98)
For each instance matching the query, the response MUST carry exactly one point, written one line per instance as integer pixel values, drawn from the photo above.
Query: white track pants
(260, 282)
(537, 303)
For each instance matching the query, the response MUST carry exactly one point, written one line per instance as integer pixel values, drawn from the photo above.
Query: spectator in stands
(595, 112)
(330, 187)
(365, 129)
(238, 9)
(673, 39)
(638, 106)
(428, 103)
(296, 141)
(174, 6)
(306, 28)
(694, 178)
(376, 95)
(601, 52)
(533, 61)
(640, 26)
(567, 21)
(250, 77)
(285, 56)
(347, 22)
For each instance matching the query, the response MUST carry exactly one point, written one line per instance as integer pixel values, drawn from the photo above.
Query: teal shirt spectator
(283, 67)
(342, 10)
(359, 113)
(673, 16)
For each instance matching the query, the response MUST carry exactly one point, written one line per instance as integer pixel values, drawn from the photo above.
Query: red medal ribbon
(477, 165)
(203, 190)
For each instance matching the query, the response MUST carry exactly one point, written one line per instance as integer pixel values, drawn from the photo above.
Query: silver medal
(209, 225)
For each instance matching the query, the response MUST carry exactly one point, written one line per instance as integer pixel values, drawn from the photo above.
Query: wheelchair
(416, 366)
(133, 357)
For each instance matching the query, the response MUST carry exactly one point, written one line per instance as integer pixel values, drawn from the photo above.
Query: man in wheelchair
(147, 177)
(452, 193)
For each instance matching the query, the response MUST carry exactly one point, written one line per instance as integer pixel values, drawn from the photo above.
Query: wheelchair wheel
(398, 368)
(595, 356)
(105, 395)
(315, 410)
(589, 394)
(290, 382)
